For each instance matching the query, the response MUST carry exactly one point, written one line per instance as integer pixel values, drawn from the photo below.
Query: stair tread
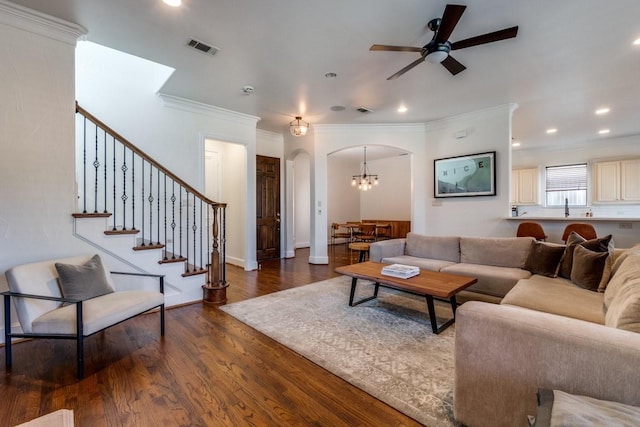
(91, 215)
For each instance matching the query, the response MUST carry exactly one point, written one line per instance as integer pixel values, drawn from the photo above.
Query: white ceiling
(570, 57)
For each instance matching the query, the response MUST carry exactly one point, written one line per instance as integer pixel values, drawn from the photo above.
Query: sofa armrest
(386, 248)
(504, 354)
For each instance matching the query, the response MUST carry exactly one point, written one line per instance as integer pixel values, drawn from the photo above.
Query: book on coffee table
(400, 270)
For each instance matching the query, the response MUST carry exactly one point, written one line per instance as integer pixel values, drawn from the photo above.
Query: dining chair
(531, 229)
(585, 230)
(366, 233)
(337, 234)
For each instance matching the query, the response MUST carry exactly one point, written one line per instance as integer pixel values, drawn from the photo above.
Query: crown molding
(183, 104)
(382, 127)
(36, 22)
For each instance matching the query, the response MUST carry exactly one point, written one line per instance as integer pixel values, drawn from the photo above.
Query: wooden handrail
(145, 156)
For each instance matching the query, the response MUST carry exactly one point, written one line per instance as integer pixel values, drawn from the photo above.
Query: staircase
(138, 212)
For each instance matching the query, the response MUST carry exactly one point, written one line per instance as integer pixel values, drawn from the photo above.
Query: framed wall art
(464, 176)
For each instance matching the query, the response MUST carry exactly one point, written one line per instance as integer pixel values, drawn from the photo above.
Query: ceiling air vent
(364, 110)
(203, 47)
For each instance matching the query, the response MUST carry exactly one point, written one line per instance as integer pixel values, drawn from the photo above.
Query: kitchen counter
(572, 218)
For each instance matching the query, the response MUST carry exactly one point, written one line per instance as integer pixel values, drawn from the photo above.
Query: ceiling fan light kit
(298, 127)
(438, 49)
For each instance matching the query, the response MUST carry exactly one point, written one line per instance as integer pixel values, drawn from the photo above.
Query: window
(566, 182)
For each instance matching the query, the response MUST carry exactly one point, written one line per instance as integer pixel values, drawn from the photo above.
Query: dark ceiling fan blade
(453, 65)
(395, 48)
(407, 68)
(507, 33)
(450, 18)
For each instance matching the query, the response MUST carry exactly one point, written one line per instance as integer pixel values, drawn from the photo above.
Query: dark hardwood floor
(208, 370)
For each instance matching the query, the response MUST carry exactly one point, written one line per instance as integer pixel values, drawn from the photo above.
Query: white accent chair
(43, 312)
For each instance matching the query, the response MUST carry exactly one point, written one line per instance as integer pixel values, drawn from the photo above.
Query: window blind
(567, 178)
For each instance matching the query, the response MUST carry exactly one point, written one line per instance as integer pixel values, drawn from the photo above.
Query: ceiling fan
(437, 50)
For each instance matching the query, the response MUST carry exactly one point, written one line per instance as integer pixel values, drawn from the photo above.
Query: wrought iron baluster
(158, 217)
(115, 208)
(165, 217)
(150, 199)
(133, 189)
(201, 227)
(124, 187)
(195, 229)
(173, 219)
(142, 204)
(187, 233)
(180, 227)
(84, 168)
(208, 246)
(105, 173)
(96, 165)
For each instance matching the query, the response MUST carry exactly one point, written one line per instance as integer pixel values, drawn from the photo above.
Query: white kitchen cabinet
(617, 181)
(524, 186)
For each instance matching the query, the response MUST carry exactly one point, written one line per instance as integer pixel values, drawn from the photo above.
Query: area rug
(384, 346)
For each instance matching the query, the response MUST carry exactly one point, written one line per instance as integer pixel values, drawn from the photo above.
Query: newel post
(215, 290)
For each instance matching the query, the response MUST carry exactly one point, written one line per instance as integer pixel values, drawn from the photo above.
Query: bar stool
(531, 229)
(587, 231)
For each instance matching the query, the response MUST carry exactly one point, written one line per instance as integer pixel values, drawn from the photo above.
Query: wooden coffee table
(429, 284)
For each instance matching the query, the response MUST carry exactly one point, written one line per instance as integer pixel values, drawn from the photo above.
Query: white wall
(343, 200)
(232, 174)
(330, 138)
(37, 139)
(487, 130)
(391, 198)
(301, 200)
(116, 87)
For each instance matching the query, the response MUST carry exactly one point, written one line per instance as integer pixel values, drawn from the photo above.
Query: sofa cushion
(495, 251)
(492, 280)
(588, 267)
(84, 281)
(433, 247)
(557, 296)
(602, 244)
(423, 263)
(622, 295)
(98, 313)
(544, 258)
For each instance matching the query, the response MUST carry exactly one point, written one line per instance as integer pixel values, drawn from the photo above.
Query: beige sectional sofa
(546, 332)
(495, 261)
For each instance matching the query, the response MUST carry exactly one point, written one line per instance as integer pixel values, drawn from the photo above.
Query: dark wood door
(268, 207)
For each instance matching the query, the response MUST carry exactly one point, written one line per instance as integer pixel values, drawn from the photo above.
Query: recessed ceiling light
(552, 130)
(603, 110)
(337, 108)
(173, 3)
(402, 109)
(636, 42)
(331, 75)
(515, 144)
(604, 131)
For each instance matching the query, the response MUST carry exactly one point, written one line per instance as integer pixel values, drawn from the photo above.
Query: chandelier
(364, 180)
(298, 127)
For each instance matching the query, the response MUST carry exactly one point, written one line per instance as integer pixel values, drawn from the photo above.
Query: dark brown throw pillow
(597, 245)
(588, 267)
(544, 258)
